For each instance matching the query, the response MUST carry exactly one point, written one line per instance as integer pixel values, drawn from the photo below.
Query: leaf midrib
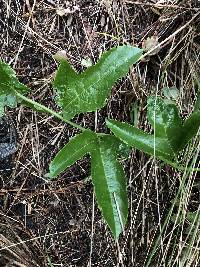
(77, 151)
(112, 200)
(150, 135)
(95, 84)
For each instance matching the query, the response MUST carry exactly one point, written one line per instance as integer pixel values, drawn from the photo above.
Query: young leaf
(190, 128)
(171, 93)
(85, 92)
(8, 82)
(164, 118)
(75, 149)
(110, 184)
(138, 139)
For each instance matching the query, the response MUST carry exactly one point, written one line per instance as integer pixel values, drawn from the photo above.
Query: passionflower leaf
(141, 140)
(88, 91)
(74, 150)
(110, 184)
(9, 83)
(164, 117)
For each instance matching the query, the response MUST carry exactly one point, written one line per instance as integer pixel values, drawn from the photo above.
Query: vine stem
(48, 110)
(52, 112)
(180, 167)
(57, 115)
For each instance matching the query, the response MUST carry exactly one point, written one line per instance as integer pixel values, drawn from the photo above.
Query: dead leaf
(66, 11)
(149, 43)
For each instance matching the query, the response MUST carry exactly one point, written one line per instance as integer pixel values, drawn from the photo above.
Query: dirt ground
(57, 223)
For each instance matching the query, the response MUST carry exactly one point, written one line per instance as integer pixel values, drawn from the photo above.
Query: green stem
(48, 110)
(57, 115)
(180, 167)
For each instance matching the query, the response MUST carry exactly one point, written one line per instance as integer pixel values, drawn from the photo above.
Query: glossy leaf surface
(138, 139)
(110, 184)
(190, 128)
(85, 92)
(74, 150)
(8, 82)
(164, 118)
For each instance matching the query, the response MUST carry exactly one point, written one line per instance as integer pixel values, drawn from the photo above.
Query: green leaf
(75, 149)
(164, 118)
(197, 104)
(121, 149)
(171, 92)
(110, 184)
(190, 128)
(85, 92)
(193, 216)
(136, 138)
(9, 83)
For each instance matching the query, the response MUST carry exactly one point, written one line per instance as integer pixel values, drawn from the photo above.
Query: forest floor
(58, 223)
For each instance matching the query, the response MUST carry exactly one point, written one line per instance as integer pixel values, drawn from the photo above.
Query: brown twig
(161, 5)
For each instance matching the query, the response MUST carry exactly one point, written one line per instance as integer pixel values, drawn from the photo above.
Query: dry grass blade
(20, 254)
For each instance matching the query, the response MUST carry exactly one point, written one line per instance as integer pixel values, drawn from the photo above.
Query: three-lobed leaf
(77, 93)
(107, 174)
(88, 91)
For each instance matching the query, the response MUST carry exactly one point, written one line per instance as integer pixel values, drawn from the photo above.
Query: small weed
(87, 92)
